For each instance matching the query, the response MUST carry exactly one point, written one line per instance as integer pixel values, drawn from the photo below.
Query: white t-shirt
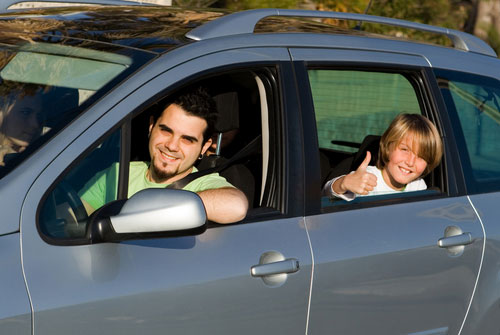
(381, 188)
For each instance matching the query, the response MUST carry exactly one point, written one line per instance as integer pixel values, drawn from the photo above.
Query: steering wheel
(77, 227)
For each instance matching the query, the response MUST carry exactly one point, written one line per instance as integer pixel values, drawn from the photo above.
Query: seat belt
(244, 152)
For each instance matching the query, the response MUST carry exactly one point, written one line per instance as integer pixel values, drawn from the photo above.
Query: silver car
(297, 99)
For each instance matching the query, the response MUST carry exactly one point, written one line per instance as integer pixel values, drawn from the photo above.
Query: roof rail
(5, 4)
(244, 23)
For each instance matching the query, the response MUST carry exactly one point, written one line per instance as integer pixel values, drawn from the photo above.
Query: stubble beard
(160, 175)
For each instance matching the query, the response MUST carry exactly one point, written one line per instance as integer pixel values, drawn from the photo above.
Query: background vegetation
(456, 14)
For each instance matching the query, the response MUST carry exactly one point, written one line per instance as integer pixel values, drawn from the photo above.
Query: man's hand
(359, 181)
(224, 205)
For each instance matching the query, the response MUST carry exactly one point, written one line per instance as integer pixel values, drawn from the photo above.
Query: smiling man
(178, 136)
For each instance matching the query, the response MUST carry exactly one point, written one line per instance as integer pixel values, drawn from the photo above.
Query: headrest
(228, 112)
(370, 143)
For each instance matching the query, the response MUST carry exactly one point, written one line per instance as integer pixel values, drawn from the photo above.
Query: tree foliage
(455, 14)
(445, 13)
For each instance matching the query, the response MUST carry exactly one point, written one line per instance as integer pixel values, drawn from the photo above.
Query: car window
(475, 101)
(243, 148)
(353, 109)
(64, 215)
(243, 100)
(349, 105)
(44, 86)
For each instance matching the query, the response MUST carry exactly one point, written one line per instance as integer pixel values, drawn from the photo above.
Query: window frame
(276, 104)
(426, 95)
(273, 76)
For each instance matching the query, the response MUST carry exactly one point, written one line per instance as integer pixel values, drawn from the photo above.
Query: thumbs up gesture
(359, 181)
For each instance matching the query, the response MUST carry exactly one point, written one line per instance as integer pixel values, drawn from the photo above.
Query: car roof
(159, 28)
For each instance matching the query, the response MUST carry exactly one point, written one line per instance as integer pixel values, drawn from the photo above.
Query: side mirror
(150, 213)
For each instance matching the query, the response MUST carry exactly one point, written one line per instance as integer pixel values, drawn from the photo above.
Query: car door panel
(15, 314)
(380, 270)
(183, 285)
(484, 313)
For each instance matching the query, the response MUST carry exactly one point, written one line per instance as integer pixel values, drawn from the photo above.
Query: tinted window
(475, 102)
(64, 214)
(352, 104)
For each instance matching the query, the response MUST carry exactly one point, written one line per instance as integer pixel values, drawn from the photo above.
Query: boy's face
(404, 165)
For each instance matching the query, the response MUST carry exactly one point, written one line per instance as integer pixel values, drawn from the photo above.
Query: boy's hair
(425, 136)
(196, 102)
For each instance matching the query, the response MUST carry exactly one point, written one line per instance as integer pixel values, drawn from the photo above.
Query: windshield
(44, 86)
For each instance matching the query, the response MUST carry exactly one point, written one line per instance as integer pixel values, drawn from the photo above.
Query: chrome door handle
(457, 240)
(289, 265)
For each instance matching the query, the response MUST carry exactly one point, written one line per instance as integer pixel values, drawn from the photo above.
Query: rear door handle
(457, 240)
(289, 265)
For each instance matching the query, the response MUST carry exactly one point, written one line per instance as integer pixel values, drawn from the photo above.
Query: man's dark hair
(196, 101)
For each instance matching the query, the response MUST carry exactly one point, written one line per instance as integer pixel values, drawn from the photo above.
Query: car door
(472, 103)
(399, 264)
(175, 285)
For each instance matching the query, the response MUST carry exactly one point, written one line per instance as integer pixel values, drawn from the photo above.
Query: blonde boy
(409, 149)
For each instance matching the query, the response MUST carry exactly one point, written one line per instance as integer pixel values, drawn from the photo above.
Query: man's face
(175, 143)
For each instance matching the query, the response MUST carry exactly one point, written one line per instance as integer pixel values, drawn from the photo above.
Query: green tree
(455, 14)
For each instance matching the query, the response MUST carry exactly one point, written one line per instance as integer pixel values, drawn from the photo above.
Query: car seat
(370, 143)
(228, 120)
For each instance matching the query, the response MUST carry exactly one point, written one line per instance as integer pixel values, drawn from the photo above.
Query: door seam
(312, 277)
(480, 265)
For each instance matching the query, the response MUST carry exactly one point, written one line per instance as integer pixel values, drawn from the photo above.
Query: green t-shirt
(101, 189)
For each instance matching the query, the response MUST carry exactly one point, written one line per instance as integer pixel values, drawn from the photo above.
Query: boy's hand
(360, 181)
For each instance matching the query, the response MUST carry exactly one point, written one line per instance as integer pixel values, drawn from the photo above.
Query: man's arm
(224, 205)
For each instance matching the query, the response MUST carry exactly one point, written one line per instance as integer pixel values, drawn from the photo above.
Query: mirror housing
(150, 213)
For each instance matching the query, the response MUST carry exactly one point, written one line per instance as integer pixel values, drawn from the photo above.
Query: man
(179, 136)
